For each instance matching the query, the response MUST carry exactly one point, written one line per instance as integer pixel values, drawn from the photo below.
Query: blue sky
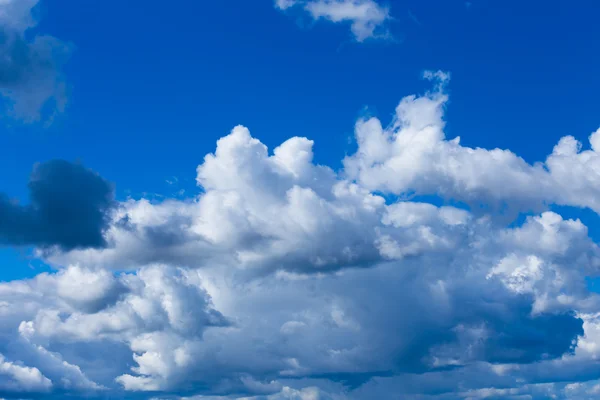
(140, 92)
(151, 88)
(150, 78)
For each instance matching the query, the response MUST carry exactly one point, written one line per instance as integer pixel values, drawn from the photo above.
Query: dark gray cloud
(69, 208)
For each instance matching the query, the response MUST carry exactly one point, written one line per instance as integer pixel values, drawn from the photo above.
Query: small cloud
(285, 4)
(32, 86)
(367, 17)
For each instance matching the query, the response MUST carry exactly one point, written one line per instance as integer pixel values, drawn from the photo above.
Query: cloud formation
(367, 18)
(31, 83)
(413, 157)
(69, 208)
(286, 279)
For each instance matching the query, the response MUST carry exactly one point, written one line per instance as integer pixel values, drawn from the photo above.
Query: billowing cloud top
(288, 280)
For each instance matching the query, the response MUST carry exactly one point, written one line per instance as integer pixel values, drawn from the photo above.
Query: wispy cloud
(31, 82)
(367, 18)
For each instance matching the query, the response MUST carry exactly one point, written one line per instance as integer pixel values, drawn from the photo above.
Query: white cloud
(413, 156)
(287, 280)
(19, 378)
(285, 4)
(367, 18)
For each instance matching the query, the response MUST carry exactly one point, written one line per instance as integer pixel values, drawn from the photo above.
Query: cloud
(69, 208)
(313, 222)
(367, 18)
(413, 157)
(18, 378)
(285, 279)
(31, 81)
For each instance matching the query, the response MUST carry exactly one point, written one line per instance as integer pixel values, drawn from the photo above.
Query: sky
(299, 199)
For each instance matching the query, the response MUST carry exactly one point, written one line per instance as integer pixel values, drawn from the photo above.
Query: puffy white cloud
(287, 280)
(259, 211)
(353, 323)
(159, 313)
(413, 156)
(367, 18)
(30, 66)
(19, 378)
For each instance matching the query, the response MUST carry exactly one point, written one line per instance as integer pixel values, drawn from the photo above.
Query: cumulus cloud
(69, 208)
(31, 81)
(313, 220)
(367, 18)
(19, 378)
(412, 156)
(159, 314)
(286, 279)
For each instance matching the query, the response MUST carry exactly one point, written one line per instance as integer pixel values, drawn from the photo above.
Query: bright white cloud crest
(288, 280)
